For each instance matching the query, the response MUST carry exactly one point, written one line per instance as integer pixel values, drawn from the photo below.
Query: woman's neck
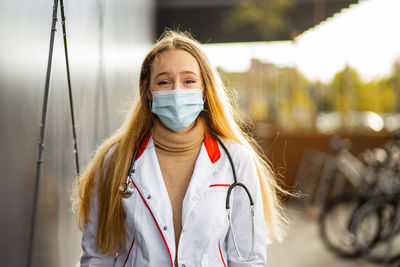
(178, 142)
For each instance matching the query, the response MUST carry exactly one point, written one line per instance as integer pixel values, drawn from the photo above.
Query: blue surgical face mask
(177, 109)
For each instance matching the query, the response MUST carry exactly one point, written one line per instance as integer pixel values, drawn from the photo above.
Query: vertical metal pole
(42, 128)
(71, 104)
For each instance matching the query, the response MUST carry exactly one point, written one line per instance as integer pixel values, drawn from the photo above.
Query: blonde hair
(220, 120)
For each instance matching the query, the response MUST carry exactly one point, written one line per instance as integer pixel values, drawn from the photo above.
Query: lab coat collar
(199, 183)
(148, 179)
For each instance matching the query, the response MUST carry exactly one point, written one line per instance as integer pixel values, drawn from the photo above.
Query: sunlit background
(318, 81)
(347, 65)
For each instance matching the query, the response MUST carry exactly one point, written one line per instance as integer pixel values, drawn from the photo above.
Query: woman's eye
(162, 83)
(190, 81)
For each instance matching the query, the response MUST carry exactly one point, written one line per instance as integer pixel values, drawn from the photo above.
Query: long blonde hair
(219, 116)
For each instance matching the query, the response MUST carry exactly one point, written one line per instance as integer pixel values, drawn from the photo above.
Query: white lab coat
(206, 237)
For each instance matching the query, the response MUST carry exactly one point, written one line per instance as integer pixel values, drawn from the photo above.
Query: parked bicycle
(364, 220)
(359, 199)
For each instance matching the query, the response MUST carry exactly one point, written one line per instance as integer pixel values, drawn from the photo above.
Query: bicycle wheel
(378, 211)
(334, 225)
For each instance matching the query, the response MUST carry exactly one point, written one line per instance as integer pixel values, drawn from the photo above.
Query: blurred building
(274, 95)
(283, 97)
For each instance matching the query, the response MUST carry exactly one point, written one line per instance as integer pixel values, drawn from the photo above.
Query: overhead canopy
(361, 36)
(205, 19)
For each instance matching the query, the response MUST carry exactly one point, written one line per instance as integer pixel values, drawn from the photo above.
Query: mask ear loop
(204, 102)
(150, 100)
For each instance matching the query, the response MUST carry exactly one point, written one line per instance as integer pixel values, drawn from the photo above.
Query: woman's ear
(149, 96)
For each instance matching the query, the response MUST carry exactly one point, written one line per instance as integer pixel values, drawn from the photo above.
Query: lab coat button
(148, 197)
(165, 228)
(183, 265)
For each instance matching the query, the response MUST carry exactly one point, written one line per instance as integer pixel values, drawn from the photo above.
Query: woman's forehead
(175, 60)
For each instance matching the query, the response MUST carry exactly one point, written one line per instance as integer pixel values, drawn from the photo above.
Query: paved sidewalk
(303, 247)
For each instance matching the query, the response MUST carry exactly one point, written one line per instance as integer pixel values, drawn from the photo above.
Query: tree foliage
(283, 96)
(350, 93)
(268, 17)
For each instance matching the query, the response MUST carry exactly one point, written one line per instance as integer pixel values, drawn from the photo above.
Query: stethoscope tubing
(234, 177)
(251, 257)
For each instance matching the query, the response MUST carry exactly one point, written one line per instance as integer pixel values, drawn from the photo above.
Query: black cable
(43, 122)
(42, 127)
(71, 104)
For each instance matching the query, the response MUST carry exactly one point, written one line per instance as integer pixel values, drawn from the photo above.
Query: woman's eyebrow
(161, 73)
(188, 72)
(182, 72)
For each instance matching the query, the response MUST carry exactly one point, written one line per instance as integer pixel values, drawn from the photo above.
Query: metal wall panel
(107, 41)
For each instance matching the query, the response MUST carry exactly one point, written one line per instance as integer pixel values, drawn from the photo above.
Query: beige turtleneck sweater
(177, 153)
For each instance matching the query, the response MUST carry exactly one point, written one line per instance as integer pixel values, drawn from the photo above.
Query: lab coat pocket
(217, 194)
(213, 207)
(219, 187)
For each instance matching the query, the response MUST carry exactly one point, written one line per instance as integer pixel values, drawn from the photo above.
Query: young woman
(166, 205)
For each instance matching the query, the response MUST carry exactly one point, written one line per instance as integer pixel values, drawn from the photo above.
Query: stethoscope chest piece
(126, 189)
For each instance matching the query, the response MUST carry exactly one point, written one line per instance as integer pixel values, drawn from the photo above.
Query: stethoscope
(127, 188)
